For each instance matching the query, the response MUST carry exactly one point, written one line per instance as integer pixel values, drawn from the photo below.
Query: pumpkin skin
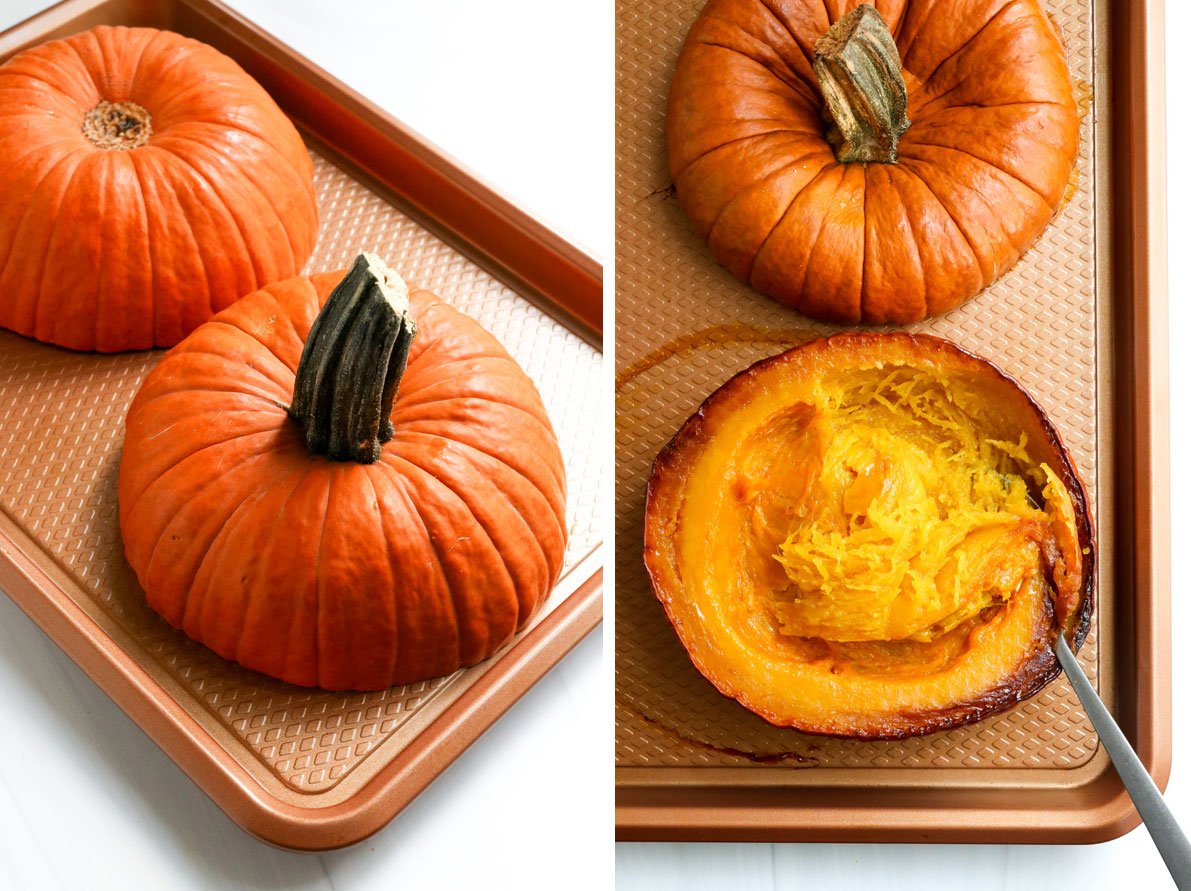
(707, 559)
(134, 246)
(333, 573)
(981, 170)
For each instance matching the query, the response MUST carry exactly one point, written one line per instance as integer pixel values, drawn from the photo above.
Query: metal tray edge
(231, 787)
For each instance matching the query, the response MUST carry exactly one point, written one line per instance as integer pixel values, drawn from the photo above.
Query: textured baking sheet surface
(685, 325)
(61, 429)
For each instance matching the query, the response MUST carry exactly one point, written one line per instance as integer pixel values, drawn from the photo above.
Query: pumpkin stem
(352, 363)
(117, 125)
(860, 76)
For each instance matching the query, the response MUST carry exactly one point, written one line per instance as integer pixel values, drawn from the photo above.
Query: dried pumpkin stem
(117, 125)
(860, 76)
(352, 364)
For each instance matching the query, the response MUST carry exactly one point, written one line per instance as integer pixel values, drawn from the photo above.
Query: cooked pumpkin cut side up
(871, 536)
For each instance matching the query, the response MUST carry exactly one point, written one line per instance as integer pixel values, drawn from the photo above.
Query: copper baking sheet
(1080, 321)
(300, 768)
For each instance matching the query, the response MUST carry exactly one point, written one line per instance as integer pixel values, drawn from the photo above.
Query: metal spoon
(1163, 829)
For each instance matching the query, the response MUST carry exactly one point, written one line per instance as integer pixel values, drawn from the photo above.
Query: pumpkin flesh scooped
(871, 165)
(147, 183)
(872, 536)
(354, 498)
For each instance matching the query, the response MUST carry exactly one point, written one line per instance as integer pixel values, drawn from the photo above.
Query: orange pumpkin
(940, 153)
(871, 536)
(344, 509)
(147, 183)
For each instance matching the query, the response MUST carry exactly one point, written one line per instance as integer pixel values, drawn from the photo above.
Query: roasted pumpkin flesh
(874, 541)
(899, 522)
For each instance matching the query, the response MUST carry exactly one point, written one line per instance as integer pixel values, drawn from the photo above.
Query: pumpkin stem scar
(117, 125)
(860, 75)
(352, 364)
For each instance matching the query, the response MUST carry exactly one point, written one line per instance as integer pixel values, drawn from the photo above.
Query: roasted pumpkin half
(873, 536)
(354, 497)
(871, 164)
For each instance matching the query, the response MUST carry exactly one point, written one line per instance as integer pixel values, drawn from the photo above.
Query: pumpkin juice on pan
(880, 169)
(873, 536)
(147, 182)
(367, 495)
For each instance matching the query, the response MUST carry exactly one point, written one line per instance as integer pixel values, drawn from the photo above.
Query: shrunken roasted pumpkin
(871, 535)
(340, 501)
(878, 166)
(146, 182)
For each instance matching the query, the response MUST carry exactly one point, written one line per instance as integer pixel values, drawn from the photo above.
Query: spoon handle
(1165, 832)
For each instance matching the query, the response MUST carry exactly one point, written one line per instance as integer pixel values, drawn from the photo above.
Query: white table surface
(88, 801)
(1127, 863)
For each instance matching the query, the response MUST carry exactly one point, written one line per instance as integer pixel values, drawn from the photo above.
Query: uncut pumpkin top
(340, 574)
(980, 171)
(148, 182)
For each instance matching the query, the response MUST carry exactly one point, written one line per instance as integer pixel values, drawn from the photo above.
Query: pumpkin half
(873, 536)
(871, 165)
(354, 498)
(147, 183)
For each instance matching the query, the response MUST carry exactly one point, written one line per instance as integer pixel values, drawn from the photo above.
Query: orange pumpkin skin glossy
(337, 574)
(773, 677)
(118, 249)
(992, 141)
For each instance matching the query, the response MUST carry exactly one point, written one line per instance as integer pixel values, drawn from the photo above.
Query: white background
(522, 95)
(1128, 863)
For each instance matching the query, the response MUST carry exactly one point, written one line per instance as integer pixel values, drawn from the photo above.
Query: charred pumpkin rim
(1037, 669)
